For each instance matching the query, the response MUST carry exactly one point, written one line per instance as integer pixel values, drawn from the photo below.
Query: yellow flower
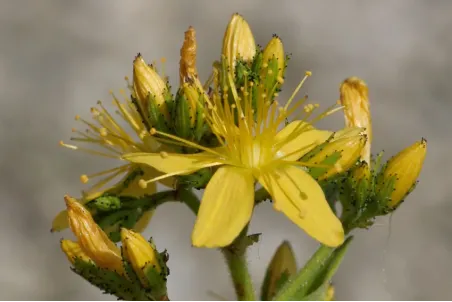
(140, 253)
(251, 149)
(238, 42)
(92, 240)
(354, 96)
(405, 168)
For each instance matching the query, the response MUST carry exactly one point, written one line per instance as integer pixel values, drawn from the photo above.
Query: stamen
(307, 74)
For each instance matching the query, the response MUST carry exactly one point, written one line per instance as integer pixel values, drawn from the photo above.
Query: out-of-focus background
(58, 57)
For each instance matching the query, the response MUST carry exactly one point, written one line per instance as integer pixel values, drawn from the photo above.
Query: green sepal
(155, 115)
(330, 160)
(241, 71)
(107, 203)
(200, 125)
(384, 189)
(257, 62)
(157, 280)
(112, 222)
(169, 99)
(269, 80)
(197, 180)
(110, 282)
(182, 125)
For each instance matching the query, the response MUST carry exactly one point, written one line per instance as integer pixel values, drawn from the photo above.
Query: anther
(308, 73)
(103, 132)
(84, 178)
(152, 131)
(163, 154)
(77, 117)
(142, 183)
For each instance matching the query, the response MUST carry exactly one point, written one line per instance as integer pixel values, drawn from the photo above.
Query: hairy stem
(235, 255)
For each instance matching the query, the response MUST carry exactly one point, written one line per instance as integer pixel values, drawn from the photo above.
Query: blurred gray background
(58, 57)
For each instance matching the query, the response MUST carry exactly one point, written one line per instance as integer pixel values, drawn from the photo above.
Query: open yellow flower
(251, 149)
(110, 139)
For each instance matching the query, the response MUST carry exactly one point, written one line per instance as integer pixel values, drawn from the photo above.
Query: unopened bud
(340, 154)
(91, 238)
(282, 266)
(142, 256)
(150, 89)
(272, 68)
(238, 42)
(402, 171)
(354, 96)
(188, 112)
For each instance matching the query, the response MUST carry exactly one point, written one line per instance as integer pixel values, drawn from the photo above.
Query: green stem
(302, 281)
(235, 255)
(189, 198)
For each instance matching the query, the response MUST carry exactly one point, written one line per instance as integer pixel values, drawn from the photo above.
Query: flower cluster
(228, 136)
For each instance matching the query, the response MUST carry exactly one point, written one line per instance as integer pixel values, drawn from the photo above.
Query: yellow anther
(142, 183)
(84, 178)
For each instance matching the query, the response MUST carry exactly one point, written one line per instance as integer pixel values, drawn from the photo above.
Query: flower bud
(354, 96)
(141, 255)
(73, 251)
(341, 154)
(91, 238)
(274, 57)
(188, 112)
(402, 172)
(238, 42)
(150, 91)
(282, 266)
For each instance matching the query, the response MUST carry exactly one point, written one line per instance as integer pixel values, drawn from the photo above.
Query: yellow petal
(172, 163)
(302, 200)
(143, 222)
(140, 253)
(298, 138)
(226, 207)
(73, 251)
(60, 222)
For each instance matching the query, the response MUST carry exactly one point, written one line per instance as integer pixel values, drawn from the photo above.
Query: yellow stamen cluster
(111, 139)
